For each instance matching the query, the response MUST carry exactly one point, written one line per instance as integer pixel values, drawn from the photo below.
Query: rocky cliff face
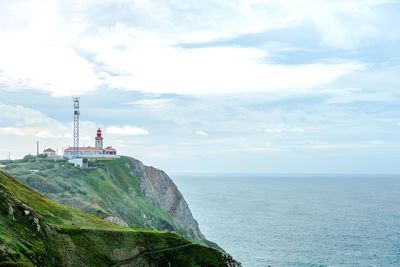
(122, 191)
(161, 190)
(35, 231)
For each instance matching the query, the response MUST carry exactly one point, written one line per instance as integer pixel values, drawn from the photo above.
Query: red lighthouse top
(99, 132)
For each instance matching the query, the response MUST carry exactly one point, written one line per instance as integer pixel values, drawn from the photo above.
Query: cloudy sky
(261, 86)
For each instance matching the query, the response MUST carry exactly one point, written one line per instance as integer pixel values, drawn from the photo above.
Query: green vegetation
(108, 188)
(36, 231)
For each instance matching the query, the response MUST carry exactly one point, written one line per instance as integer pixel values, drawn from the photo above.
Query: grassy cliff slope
(120, 190)
(35, 231)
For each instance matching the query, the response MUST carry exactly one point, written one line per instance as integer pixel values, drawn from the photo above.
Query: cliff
(35, 231)
(161, 190)
(122, 190)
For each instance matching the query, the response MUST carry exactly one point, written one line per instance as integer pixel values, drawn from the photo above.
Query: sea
(299, 220)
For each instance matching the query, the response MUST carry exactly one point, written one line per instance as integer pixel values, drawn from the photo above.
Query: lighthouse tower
(99, 140)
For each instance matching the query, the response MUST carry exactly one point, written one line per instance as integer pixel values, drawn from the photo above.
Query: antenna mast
(76, 127)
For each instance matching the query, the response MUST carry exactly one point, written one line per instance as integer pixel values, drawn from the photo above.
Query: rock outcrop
(123, 191)
(35, 231)
(161, 190)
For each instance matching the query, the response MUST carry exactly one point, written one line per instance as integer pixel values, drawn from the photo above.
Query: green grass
(69, 237)
(110, 187)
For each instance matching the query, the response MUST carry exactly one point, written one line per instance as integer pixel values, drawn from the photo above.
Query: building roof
(48, 150)
(88, 148)
(110, 148)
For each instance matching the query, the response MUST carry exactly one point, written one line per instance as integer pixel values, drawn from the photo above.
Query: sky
(255, 86)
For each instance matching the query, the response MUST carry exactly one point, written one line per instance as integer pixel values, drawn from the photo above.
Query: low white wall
(77, 162)
(94, 156)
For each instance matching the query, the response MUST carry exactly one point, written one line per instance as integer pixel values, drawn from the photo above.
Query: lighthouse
(99, 140)
(93, 152)
(77, 154)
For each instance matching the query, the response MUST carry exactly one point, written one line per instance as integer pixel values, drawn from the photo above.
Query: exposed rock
(36, 223)
(11, 212)
(101, 214)
(71, 238)
(117, 220)
(137, 195)
(158, 187)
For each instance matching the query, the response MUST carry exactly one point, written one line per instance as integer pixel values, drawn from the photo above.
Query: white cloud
(152, 102)
(340, 24)
(12, 131)
(37, 51)
(54, 68)
(284, 130)
(126, 130)
(202, 133)
(21, 117)
(155, 66)
(204, 21)
(43, 134)
(58, 135)
(39, 48)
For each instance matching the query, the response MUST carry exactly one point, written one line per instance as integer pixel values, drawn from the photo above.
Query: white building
(92, 152)
(50, 153)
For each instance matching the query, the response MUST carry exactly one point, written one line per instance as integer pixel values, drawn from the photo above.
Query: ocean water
(351, 220)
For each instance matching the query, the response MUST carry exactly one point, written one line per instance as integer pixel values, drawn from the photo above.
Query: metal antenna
(76, 127)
